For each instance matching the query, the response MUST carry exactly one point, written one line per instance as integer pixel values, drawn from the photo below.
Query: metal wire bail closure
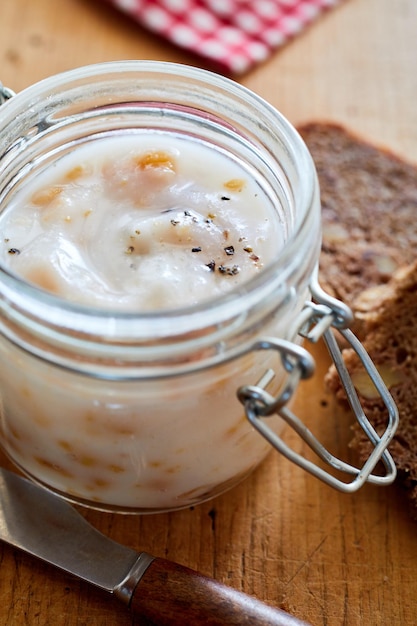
(318, 320)
(5, 93)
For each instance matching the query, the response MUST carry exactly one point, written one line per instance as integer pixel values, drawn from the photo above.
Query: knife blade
(159, 592)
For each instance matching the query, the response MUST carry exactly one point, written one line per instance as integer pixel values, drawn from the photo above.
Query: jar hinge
(318, 320)
(5, 93)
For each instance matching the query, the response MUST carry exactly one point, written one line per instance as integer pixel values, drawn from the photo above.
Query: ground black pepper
(229, 270)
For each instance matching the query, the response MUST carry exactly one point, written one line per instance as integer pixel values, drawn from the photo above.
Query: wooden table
(282, 536)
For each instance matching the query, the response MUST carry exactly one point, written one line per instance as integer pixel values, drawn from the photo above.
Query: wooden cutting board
(283, 536)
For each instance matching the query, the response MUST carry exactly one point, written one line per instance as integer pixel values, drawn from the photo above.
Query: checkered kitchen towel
(232, 34)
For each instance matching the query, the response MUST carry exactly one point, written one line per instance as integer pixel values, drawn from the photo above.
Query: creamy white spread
(140, 223)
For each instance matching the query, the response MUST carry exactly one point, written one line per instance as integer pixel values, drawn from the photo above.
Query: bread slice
(389, 322)
(369, 210)
(369, 260)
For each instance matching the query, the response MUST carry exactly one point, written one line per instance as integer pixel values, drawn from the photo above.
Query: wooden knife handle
(169, 594)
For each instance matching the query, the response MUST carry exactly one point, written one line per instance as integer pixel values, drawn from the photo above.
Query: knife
(159, 592)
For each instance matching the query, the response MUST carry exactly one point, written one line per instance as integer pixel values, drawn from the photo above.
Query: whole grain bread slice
(369, 260)
(369, 210)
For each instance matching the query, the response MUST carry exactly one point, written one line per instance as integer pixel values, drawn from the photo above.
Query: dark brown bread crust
(369, 210)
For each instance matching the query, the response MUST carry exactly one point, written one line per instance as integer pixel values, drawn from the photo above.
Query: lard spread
(157, 226)
(135, 223)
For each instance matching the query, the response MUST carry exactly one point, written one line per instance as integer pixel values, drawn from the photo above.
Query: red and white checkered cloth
(232, 34)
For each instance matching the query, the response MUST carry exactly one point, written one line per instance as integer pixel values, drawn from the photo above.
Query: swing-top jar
(160, 233)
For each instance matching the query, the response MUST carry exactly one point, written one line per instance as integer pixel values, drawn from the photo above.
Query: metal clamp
(318, 320)
(5, 93)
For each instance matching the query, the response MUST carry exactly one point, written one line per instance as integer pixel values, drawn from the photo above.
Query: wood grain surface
(282, 536)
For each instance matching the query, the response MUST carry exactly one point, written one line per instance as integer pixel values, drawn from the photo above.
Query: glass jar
(159, 410)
